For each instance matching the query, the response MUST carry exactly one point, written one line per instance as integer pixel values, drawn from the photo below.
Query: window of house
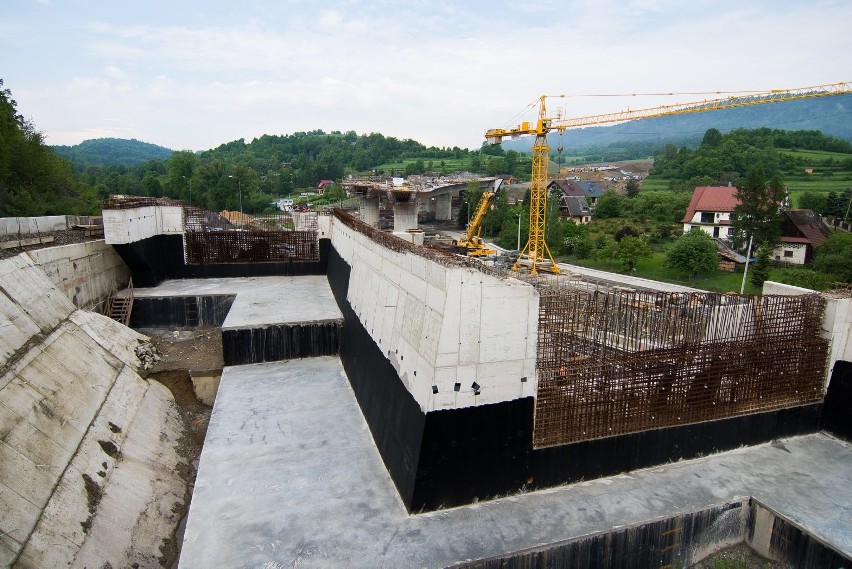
(707, 217)
(788, 253)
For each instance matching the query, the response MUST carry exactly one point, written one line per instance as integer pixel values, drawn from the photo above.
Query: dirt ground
(182, 351)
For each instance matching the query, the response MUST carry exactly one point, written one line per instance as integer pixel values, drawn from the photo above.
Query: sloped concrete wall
(440, 325)
(85, 272)
(88, 449)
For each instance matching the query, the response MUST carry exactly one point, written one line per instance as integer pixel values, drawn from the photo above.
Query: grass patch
(815, 155)
(654, 184)
(450, 164)
(652, 268)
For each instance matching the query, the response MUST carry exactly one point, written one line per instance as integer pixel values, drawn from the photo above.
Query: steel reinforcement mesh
(233, 237)
(617, 362)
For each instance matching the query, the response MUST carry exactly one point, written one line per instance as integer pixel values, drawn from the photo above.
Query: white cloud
(438, 72)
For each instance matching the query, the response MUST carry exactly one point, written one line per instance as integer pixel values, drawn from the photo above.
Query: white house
(711, 209)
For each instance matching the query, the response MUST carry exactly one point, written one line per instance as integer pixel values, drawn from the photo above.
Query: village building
(710, 210)
(575, 208)
(802, 231)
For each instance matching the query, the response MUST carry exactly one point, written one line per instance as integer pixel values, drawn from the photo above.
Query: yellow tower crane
(536, 255)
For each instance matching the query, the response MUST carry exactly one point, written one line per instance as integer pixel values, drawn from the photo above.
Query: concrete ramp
(88, 449)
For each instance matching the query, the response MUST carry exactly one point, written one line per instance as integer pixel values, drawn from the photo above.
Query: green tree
(631, 189)
(151, 185)
(814, 201)
(694, 253)
(759, 270)
(758, 212)
(609, 205)
(712, 138)
(834, 256)
(802, 277)
(335, 194)
(630, 250)
(33, 180)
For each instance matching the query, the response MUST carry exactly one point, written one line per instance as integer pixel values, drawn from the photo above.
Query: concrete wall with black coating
(158, 258)
(682, 540)
(180, 311)
(394, 417)
(775, 537)
(678, 541)
(282, 342)
(457, 456)
(483, 452)
(837, 410)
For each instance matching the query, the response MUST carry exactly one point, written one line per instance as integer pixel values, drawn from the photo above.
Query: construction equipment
(536, 253)
(471, 242)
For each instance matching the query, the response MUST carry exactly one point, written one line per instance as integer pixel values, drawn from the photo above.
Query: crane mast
(536, 253)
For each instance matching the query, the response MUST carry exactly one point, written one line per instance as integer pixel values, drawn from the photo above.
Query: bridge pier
(442, 207)
(404, 216)
(368, 210)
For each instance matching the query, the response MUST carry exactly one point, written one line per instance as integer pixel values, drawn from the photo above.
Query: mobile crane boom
(536, 253)
(471, 241)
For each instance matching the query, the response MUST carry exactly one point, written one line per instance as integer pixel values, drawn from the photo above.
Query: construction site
(380, 403)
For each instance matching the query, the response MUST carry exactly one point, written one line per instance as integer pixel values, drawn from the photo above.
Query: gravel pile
(148, 355)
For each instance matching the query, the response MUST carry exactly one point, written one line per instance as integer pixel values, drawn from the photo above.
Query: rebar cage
(616, 362)
(233, 237)
(612, 361)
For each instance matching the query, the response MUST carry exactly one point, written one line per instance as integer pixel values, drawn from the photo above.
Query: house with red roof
(802, 231)
(712, 207)
(322, 185)
(710, 210)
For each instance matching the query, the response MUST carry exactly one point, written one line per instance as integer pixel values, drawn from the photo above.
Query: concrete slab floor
(289, 476)
(259, 300)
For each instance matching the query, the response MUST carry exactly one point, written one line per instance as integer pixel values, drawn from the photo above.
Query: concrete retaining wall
(129, 225)
(88, 449)
(43, 224)
(443, 328)
(85, 272)
(27, 225)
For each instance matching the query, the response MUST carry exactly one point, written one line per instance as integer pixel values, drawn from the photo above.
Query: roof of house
(711, 198)
(803, 225)
(577, 206)
(577, 188)
(324, 183)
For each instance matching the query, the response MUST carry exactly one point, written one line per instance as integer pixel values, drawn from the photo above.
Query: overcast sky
(191, 75)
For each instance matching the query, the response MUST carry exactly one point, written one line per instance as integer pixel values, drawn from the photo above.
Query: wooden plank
(26, 242)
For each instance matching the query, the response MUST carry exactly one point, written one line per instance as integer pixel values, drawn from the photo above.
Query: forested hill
(111, 152)
(831, 115)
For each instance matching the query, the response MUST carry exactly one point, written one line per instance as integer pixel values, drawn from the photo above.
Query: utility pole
(748, 258)
(240, 190)
(519, 232)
